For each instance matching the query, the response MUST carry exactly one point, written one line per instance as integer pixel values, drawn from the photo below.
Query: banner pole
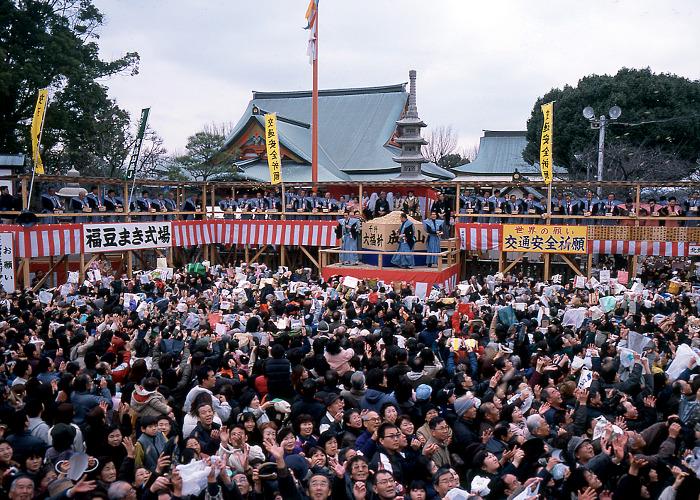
(314, 113)
(36, 154)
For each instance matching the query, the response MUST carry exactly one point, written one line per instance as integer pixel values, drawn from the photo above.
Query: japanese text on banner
(546, 142)
(7, 268)
(541, 238)
(274, 160)
(37, 126)
(126, 236)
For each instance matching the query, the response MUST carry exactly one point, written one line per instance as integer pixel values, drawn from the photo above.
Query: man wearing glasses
(384, 485)
(387, 456)
(438, 442)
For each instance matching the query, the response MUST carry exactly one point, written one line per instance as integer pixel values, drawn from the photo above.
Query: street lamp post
(600, 124)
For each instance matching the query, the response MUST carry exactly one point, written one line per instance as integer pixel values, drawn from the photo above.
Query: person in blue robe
(347, 233)
(406, 241)
(433, 227)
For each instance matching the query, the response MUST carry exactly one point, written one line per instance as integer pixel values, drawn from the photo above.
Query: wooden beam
(41, 282)
(547, 261)
(457, 200)
(284, 217)
(633, 272)
(571, 264)
(512, 264)
(26, 282)
(283, 255)
(311, 257)
(129, 264)
(24, 193)
(125, 199)
(589, 266)
(501, 261)
(255, 257)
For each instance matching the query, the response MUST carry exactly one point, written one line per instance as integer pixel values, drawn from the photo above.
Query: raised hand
(337, 468)
(621, 422)
(83, 486)
(274, 449)
(128, 445)
(224, 435)
(618, 445)
(587, 494)
(163, 463)
(582, 396)
(359, 490)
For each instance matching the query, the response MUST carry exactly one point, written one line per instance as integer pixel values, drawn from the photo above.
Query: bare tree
(442, 141)
(469, 152)
(625, 162)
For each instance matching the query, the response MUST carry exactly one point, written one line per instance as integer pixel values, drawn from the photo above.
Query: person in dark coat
(278, 371)
(21, 439)
(307, 403)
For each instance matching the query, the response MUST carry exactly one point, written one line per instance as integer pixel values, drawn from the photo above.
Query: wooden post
(204, 202)
(549, 206)
(457, 200)
(633, 272)
(638, 202)
(25, 194)
(213, 201)
(125, 199)
(589, 266)
(547, 270)
(501, 261)
(129, 264)
(283, 255)
(82, 265)
(361, 195)
(283, 217)
(25, 272)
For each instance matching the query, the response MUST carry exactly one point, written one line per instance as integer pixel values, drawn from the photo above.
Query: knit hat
(574, 444)
(423, 392)
(323, 327)
(463, 404)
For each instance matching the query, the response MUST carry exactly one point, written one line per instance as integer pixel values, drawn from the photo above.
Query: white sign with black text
(7, 267)
(126, 236)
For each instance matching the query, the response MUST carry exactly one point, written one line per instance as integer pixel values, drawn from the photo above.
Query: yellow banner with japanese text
(274, 160)
(37, 128)
(546, 143)
(544, 238)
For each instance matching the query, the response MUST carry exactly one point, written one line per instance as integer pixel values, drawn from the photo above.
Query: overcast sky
(481, 65)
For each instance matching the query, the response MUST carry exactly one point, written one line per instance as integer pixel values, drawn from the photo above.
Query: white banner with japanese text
(7, 266)
(116, 237)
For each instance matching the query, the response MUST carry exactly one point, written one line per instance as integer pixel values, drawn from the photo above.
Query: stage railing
(446, 258)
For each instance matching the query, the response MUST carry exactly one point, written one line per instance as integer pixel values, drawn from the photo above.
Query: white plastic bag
(194, 477)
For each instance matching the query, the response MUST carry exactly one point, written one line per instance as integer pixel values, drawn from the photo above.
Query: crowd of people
(246, 382)
(300, 204)
(532, 206)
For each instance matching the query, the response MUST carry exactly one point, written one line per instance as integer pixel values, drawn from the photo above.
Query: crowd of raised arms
(253, 383)
(474, 206)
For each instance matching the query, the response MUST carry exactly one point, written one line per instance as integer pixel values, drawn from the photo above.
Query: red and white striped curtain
(251, 232)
